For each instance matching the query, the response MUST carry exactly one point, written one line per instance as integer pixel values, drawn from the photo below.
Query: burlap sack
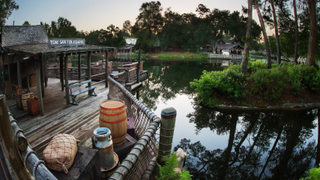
(60, 152)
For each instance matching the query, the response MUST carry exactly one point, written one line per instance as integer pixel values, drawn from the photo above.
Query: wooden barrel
(24, 98)
(113, 115)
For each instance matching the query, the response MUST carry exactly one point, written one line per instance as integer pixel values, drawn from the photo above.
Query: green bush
(269, 83)
(167, 171)
(253, 66)
(229, 82)
(314, 174)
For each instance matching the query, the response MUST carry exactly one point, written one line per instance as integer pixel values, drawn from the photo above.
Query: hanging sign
(63, 42)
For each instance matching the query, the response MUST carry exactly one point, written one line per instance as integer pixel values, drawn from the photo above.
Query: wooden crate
(33, 106)
(33, 80)
(86, 166)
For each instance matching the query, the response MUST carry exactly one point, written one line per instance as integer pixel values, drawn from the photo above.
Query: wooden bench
(88, 88)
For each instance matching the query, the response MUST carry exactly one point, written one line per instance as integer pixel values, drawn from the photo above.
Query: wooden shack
(26, 51)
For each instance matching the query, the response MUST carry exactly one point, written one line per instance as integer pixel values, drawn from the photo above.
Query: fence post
(168, 120)
(8, 141)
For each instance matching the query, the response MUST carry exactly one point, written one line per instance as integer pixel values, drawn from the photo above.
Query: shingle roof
(34, 40)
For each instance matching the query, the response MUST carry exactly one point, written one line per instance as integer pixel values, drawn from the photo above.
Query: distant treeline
(155, 27)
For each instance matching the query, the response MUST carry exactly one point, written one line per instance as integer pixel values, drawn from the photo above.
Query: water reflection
(225, 144)
(261, 145)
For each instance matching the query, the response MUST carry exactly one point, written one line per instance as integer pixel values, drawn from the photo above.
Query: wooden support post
(42, 74)
(107, 69)
(79, 66)
(9, 73)
(39, 88)
(138, 67)
(19, 69)
(45, 67)
(61, 72)
(89, 65)
(168, 120)
(28, 79)
(7, 139)
(66, 79)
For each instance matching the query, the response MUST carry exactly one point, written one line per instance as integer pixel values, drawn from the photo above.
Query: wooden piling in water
(168, 121)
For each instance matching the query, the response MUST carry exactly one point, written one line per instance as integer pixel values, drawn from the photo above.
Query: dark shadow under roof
(45, 49)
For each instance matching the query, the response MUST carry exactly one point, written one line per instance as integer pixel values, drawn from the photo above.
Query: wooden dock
(77, 120)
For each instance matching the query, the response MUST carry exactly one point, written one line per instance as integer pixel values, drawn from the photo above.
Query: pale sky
(90, 15)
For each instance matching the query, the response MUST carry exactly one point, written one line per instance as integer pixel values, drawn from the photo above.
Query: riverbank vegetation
(259, 87)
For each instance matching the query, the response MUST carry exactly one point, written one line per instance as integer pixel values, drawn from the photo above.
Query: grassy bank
(178, 55)
(260, 87)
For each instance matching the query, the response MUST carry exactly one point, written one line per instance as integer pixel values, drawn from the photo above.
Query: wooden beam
(27, 72)
(107, 69)
(39, 82)
(9, 73)
(45, 67)
(89, 66)
(79, 66)
(61, 72)
(42, 75)
(19, 69)
(8, 141)
(66, 79)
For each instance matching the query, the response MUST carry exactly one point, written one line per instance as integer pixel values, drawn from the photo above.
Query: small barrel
(113, 115)
(24, 98)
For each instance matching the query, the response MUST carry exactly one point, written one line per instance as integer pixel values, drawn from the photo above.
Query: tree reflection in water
(261, 145)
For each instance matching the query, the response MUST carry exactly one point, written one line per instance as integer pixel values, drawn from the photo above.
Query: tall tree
(62, 29)
(127, 27)
(264, 32)
(276, 31)
(296, 30)
(313, 32)
(247, 40)
(6, 8)
(150, 17)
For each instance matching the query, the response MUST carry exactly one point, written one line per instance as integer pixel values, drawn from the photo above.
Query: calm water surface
(230, 144)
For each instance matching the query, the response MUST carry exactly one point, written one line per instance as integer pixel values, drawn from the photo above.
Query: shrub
(229, 82)
(167, 171)
(252, 67)
(269, 83)
(314, 174)
(310, 77)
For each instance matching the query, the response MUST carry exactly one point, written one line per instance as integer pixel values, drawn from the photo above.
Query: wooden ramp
(78, 120)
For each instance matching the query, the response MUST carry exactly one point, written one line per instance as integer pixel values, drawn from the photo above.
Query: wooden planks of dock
(79, 121)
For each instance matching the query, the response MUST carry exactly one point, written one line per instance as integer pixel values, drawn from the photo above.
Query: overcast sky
(90, 15)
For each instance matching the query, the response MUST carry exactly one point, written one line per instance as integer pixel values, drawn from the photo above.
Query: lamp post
(133, 41)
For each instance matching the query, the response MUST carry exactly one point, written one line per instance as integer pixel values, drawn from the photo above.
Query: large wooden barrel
(113, 115)
(24, 98)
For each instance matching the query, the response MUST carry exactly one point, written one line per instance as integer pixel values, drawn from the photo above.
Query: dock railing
(141, 160)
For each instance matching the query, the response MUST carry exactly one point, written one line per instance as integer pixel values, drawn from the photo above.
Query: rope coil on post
(26, 157)
(35, 168)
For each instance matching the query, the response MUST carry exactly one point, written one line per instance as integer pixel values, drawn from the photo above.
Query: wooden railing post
(107, 69)
(168, 121)
(7, 139)
(138, 66)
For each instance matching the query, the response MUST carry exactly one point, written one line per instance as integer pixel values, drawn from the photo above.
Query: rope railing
(137, 163)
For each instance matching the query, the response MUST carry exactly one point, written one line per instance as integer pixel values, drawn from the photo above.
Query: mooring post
(107, 69)
(168, 121)
(138, 66)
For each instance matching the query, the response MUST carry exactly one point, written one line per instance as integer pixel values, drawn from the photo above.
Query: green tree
(26, 23)
(62, 29)
(247, 39)
(264, 32)
(313, 32)
(6, 8)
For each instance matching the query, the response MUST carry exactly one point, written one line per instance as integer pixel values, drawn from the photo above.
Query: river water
(229, 144)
